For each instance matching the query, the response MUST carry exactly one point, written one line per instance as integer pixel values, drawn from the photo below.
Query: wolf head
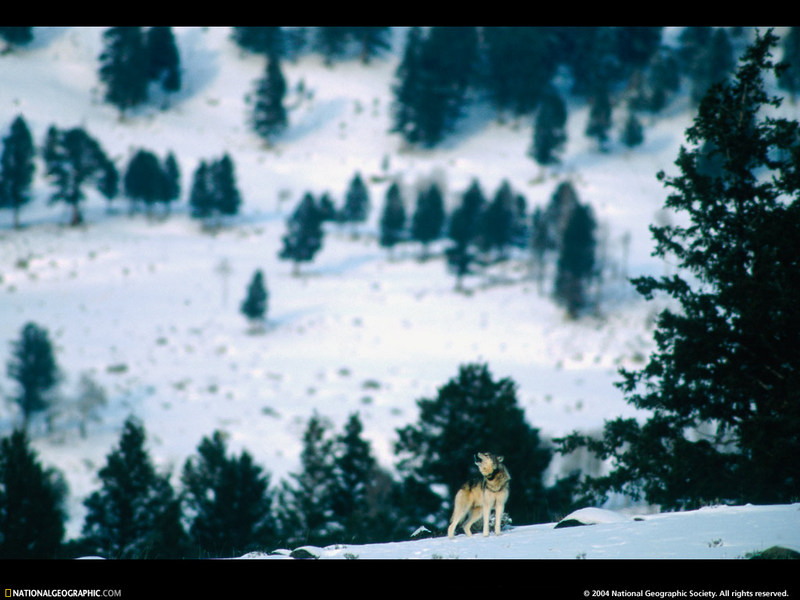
(487, 463)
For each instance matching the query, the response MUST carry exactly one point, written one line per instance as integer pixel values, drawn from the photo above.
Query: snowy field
(150, 309)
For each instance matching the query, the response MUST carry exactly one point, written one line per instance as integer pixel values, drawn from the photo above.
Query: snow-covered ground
(150, 309)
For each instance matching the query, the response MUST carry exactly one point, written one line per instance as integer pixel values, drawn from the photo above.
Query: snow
(150, 308)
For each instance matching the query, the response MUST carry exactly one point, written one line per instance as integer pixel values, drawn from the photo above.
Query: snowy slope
(151, 309)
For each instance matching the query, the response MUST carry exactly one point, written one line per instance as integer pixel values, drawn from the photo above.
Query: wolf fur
(478, 496)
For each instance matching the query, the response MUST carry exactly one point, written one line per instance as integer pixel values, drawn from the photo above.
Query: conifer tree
(722, 385)
(16, 168)
(599, 117)
(576, 261)
(269, 117)
(72, 159)
(356, 202)
(228, 501)
(201, 198)
(306, 505)
(125, 67)
(549, 130)
(464, 231)
(33, 366)
(15, 36)
(632, 132)
(144, 179)
(475, 411)
(497, 221)
(305, 233)
(32, 514)
(331, 42)
(164, 58)
(428, 218)
(393, 218)
(254, 306)
(227, 198)
(268, 41)
(135, 513)
(172, 179)
(789, 78)
(372, 40)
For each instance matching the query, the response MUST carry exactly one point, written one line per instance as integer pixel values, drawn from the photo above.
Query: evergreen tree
(228, 501)
(165, 62)
(409, 81)
(305, 234)
(268, 41)
(332, 42)
(305, 510)
(135, 513)
(145, 180)
(713, 64)
(372, 40)
(789, 78)
(599, 116)
(473, 412)
(520, 64)
(201, 198)
(254, 306)
(632, 132)
(636, 46)
(15, 36)
(32, 499)
(722, 385)
(356, 202)
(108, 178)
(364, 493)
(576, 261)
(393, 218)
(594, 60)
(428, 218)
(16, 168)
(172, 179)
(269, 116)
(227, 198)
(33, 366)
(125, 67)
(497, 222)
(464, 230)
(549, 130)
(72, 159)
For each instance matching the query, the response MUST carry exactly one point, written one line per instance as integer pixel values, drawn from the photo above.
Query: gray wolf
(478, 496)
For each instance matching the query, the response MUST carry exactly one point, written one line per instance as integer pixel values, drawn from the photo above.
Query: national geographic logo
(26, 593)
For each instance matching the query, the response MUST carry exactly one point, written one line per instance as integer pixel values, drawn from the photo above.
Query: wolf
(479, 495)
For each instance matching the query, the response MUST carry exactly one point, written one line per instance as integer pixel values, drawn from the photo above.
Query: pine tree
(305, 234)
(254, 306)
(164, 59)
(201, 198)
(16, 168)
(713, 64)
(722, 385)
(144, 179)
(135, 513)
(789, 78)
(15, 36)
(172, 179)
(125, 67)
(471, 413)
(32, 514)
(599, 117)
(497, 222)
(227, 198)
(33, 366)
(305, 509)
(428, 218)
(332, 42)
(372, 40)
(576, 261)
(464, 229)
(516, 78)
(228, 500)
(632, 132)
(356, 202)
(269, 117)
(549, 130)
(393, 218)
(72, 159)
(268, 41)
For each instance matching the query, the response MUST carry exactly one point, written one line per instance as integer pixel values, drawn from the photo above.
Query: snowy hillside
(150, 309)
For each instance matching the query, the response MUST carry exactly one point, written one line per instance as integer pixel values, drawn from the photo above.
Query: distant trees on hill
(132, 58)
(214, 194)
(16, 168)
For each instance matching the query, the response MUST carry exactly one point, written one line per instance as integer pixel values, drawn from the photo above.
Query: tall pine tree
(722, 385)
(304, 234)
(16, 168)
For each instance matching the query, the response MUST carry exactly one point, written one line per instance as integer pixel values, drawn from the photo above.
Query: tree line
(224, 504)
